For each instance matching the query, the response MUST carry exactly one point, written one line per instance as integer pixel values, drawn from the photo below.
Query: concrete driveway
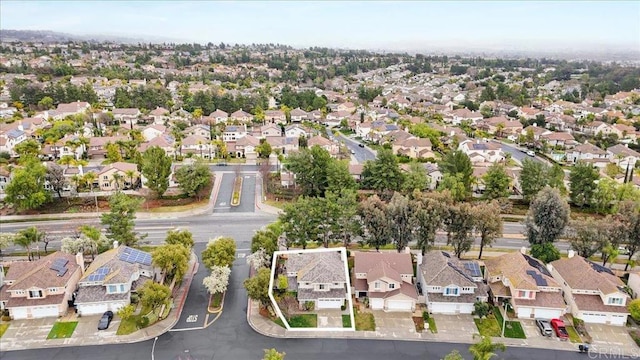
(607, 339)
(458, 327)
(395, 324)
(329, 318)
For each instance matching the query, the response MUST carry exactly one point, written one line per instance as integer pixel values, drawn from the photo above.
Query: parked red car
(560, 330)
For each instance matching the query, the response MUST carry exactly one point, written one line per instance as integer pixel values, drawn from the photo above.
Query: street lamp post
(504, 316)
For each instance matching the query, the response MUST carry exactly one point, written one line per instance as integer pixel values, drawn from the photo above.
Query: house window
(321, 286)
(105, 177)
(615, 301)
(376, 285)
(122, 288)
(35, 294)
(52, 290)
(451, 291)
(523, 294)
(392, 286)
(466, 289)
(112, 289)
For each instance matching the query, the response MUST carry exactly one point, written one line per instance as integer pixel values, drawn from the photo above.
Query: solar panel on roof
(473, 268)
(135, 256)
(599, 268)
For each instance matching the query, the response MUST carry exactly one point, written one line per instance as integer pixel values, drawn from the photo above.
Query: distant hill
(47, 36)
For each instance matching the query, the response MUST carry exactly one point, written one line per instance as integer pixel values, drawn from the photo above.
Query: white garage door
(18, 313)
(524, 312)
(442, 308)
(399, 305)
(92, 309)
(44, 311)
(547, 314)
(376, 304)
(330, 303)
(594, 318)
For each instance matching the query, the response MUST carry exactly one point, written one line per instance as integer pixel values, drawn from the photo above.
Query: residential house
(164, 142)
(598, 127)
(355, 170)
(481, 151)
(153, 131)
(589, 153)
(241, 116)
(317, 277)
(526, 283)
(459, 115)
(270, 130)
(198, 145)
(560, 139)
(98, 145)
(11, 138)
(413, 147)
(285, 145)
(623, 156)
(128, 116)
(296, 130)
(64, 110)
(386, 279)
(625, 132)
(234, 132)
(41, 288)
(5, 178)
(199, 130)
(159, 115)
(434, 174)
(634, 283)
(346, 106)
(363, 129)
(275, 117)
(219, 116)
(70, 145)
(246, 145)
(299, 115)
(118, 176)
(592, 291)
(324, 143)
(108, 282)
(501, 126)
(537, 131)
(450, 285)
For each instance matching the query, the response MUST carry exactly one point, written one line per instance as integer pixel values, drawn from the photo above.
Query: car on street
(353, 152)
(105, 320)
(545, 327)
(361, 145)
(531, 153)
(560, 329)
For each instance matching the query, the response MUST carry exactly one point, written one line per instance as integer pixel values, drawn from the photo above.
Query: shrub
(143, 322)
(309, 305)
(135, 298)
(425, 315)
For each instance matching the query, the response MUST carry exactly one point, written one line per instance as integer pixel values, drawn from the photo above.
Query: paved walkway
(32, 334)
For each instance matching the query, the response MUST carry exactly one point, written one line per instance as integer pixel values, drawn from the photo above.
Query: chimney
(115, 244)
(571, 254)
(407, 250)
(20, 127)
(626, 145)
(419, 259)
(80, 261)
(523, 250)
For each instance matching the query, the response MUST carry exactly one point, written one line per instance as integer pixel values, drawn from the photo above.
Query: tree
(588, 236)
(454, 185)
(301, 221)
(583, 184)
(634, 309)
(266, 239)
(173, 261)
(180, 237)
(459, 224)
(56, 179)
(533, 178)
(496, 182)
(310, 167)
(605, 196)
(272, 354)
(547, 217)
(383, 173)
(26, 189)
(113, 153)
(217, 282)
(153, 294)
(400, 215)
(96, 239)
(193, 178)
(485, 348)
(45, 103)
(453, 355)
(344, 206)
(27, 148)
(6, 239)
(338, 177)
(156, 168)
(481, 309)
(376, 222)
(545, 252)
(126, 312)
(628, 227)
(258, 286)
(428, 214)
(220, 251)
(119, 220)
(259, 259)
(457, 162)
(488, 223)
(416, 178)
(28, 237)
(264, 149)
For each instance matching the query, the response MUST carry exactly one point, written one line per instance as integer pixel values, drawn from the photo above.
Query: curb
(231, 203)
(221, 304)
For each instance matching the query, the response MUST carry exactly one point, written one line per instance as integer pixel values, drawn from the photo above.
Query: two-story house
(11, 138)
(126, 115)
(98, 145)
(318, 277)
(623, 156)
(299, 115)
(270, 130)
(594, 293)
(234, 132)
(481, 151)
(321, 141)
(109, 280)
(413, 147)
(526, 283)
(198, 146)
(241, 116)
(275, 117)
(159, 115)
(296, 131)
(386, 279)
(153, 131)
(219, 116)
(450, 285)
(588, 153)
(118, 176)
(41, 288)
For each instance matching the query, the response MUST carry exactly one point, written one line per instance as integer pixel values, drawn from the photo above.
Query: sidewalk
(32, 334)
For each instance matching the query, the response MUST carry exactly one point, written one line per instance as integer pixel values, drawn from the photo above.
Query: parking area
(394, 324)
(611, 339)
(455, 326)
(330, 318)
(530, 328)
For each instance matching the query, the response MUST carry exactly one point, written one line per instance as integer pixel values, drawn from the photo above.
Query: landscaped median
(237, 191)
(62, 330)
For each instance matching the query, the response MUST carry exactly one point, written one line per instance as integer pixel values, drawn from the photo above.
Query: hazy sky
(370, 24)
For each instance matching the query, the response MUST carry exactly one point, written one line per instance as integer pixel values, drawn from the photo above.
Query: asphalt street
(247, 197)
(516, 153)
(361, 154)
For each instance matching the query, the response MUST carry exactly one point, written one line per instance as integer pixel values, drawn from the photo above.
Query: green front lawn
(573, 334)
(364, 321)
(346, 321)
(62, 330)
(488, 326)
(512, 329)
(304, 321)
(3, 328)
(432, 325)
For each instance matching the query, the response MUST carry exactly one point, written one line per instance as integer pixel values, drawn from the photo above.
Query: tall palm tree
(485, 349)
(28, 237)
(130, 174)
(67, 160)
(89, 178)
(117, 178)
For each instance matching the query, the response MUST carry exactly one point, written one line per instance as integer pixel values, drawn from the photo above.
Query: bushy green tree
(583, 184)
(497, 183)
(180, 237)
(457, 163)
(26, 188)
(193, 178)
(547, 217)
(119, 221)
(156, 168)
(383, 173)
(220, 251)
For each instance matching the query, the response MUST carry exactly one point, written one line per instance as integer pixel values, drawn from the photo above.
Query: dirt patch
(418, 321)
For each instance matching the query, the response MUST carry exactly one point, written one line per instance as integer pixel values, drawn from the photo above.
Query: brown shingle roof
(581, 275)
